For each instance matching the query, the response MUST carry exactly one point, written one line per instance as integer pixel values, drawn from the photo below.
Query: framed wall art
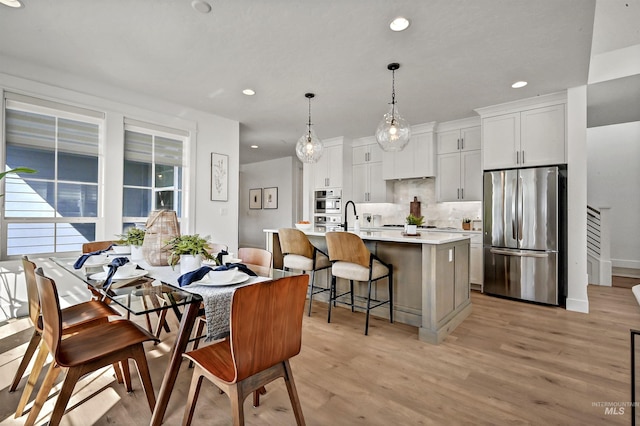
(255, 199)
(219, 177)
(270, 196)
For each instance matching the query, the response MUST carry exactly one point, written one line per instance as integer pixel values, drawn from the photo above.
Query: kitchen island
(431, 277)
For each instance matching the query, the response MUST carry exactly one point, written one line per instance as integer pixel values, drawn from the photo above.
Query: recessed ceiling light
(12, 3)
(519, 84)
(254, 146)
(201, 6)
(249, 92)
(399, 24)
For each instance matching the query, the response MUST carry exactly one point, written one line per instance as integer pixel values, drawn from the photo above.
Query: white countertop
(395, 235)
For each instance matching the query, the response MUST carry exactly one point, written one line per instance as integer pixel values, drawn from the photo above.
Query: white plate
(208, 280)
(101, 276)
(120, 253)
(233, 260)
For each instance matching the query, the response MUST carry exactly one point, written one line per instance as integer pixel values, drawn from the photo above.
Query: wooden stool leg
(237, 409)
(118, 371)
(70, 380)
(256, 396)
(126, 374)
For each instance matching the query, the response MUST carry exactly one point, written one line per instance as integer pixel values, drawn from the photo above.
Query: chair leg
(38, 363)
(332, 294)
(196, 343)
(126, 375)
(162, 322)
(366, 325)
(28, 354)
(293, 394)
(194, 391)
(147, 317)
(43, 393)
(143, 372)
(237, 409)
(118, 371)
(351, 294)
(256, 396)
(70, 380)
(390, 294)
(313, 277)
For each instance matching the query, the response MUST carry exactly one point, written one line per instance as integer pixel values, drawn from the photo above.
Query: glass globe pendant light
(393, 132)
(309, 147)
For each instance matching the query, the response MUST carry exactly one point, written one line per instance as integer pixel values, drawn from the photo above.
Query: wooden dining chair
(266, 331)
(300, 255)
(74, 318)
(352, 260)
(85, 352)
(92, 246)
(257, 259)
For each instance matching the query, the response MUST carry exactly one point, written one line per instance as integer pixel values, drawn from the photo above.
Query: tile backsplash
(437, 214)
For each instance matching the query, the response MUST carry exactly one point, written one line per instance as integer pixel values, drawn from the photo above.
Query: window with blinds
(56, 209)
(153, 169)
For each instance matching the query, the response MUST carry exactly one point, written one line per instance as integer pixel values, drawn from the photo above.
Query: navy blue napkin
(113, 267)
(197, 275)
(80, 262)
(240, 266)
(219, 256)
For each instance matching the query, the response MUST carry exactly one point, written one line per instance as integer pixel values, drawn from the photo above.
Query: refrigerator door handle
(514, 216)
(520, 206)
(519, 253)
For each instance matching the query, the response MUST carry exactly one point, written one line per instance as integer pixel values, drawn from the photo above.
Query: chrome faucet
(345, 225)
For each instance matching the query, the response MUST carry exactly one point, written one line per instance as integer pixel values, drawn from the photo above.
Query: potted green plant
(134, 237)
(466, 224)
(412, 224)
(188, 250)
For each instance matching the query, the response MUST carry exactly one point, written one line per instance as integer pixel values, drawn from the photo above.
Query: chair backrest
(95, 246)
(294, 241)
(32, 290)
(51, 316)
(266, 324)
(256, 259)
(347, 247)
(217, 248)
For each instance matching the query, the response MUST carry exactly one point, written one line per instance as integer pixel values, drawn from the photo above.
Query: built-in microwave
(327, 223)
(328, 193)
(328, 205)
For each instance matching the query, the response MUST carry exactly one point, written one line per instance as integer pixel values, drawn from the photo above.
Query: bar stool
(352, 260)
(301, 255)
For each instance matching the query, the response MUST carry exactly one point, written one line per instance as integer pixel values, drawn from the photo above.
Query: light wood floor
(508, 363)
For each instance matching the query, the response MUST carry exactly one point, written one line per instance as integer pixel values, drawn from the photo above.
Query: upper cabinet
(417, 159)
(525, 133)
(459, 161)
(327, 172)
(368, 186)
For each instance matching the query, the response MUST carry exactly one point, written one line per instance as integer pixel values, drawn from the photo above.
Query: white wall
(209, 133)
(613, 155)
(282, 173)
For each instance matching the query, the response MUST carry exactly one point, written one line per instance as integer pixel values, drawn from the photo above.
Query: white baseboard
(625, 263)
(576, 305)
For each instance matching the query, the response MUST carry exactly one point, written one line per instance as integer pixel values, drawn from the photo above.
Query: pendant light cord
(309, 124)
(393, 96)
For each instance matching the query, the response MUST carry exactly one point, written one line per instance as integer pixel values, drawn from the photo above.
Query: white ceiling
(457, 55)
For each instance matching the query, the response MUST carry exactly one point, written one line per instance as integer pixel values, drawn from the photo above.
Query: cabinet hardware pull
(461, 143)
(517, 157)
(458, 143)
(462, 193)
(523, 156)
(458, 196)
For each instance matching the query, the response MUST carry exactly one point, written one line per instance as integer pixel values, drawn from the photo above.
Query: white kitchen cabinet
(532, 137)
(459, 165)
(327, 172)
(417, 159)
(368, 186)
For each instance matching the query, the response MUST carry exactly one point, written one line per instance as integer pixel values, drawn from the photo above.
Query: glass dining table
(159, 286)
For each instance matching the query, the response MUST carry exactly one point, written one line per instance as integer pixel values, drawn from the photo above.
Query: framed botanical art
(270, 196)
(255, 199)
(219, 177)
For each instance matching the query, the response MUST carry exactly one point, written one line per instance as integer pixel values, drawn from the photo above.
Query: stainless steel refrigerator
(525, 234)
